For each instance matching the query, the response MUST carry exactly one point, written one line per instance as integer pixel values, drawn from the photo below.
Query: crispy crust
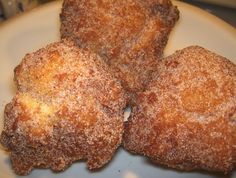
(68, 107)
(128, 35)
(186, 118)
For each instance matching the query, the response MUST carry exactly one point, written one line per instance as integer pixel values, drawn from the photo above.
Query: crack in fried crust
(129, 35)
(68, 107)
(185, 119)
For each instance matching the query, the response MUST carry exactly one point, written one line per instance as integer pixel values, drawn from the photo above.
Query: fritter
(186, 117)
(68, 107)
(129, 35)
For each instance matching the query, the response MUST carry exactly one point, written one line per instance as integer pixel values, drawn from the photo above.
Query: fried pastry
(68, 107)
(129, 35)
(186, 117)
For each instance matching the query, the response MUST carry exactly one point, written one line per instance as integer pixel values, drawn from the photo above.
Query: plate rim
(196, 9)
(210, 16)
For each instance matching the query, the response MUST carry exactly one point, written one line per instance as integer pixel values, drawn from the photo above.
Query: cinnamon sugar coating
(186, 117)
(129, 35)
(68, 107)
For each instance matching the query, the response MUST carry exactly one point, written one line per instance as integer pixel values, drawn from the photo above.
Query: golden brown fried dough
(186, 117)
(68, 107)
(128, 35)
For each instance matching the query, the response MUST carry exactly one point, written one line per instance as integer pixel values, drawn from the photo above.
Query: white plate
(39, 27)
